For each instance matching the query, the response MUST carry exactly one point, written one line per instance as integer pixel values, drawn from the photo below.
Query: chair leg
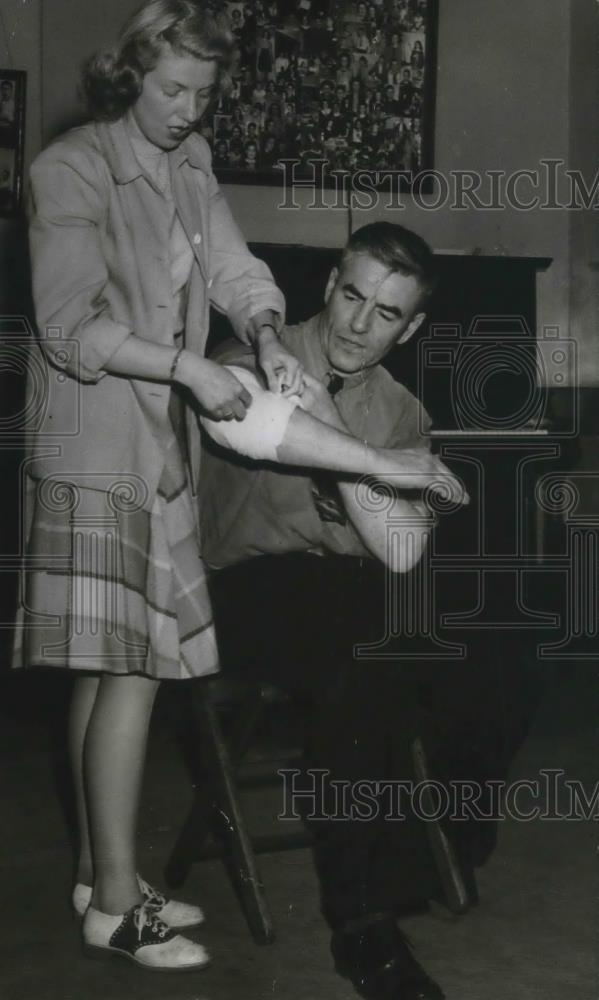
(457, 897)
(247, 877)
(245, 723)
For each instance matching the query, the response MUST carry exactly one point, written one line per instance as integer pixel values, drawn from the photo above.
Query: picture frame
(13, 94)
(349, 86)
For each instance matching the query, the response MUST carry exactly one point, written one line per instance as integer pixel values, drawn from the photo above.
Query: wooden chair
(216, 825)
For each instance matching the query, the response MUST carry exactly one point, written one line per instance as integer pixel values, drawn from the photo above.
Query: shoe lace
(151, 895)
(145, 916)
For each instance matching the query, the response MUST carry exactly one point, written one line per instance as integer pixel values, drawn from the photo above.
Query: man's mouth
(350, 345)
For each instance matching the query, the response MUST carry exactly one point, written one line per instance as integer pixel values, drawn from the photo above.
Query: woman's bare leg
(113, 767)
(83, 699)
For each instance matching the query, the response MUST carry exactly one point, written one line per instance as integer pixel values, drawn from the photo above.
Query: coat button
(197, 239)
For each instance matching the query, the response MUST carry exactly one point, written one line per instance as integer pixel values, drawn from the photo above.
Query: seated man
(294, 615)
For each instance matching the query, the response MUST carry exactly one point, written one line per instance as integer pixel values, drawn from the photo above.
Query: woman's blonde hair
(112, 81)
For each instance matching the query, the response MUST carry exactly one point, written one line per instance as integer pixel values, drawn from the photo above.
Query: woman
(131, 240)
(417, 56)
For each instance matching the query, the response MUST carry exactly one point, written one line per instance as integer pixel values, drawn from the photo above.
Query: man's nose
(361, 318)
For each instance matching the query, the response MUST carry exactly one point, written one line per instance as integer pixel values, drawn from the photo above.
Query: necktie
(324, 488)
(335, 383)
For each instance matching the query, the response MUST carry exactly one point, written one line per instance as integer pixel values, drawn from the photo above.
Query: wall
(502, 103)
(584, 155)
(20, 48)
(507, 87)
(73, 30)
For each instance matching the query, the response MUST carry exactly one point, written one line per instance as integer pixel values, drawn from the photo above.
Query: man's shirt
(252, 508)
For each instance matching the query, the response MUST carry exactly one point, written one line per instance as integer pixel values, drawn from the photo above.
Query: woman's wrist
(175, 365)
(186, 362)
(265, 335)
(262, 328)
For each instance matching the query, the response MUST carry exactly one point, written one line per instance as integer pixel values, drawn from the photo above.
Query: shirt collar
(117, 147)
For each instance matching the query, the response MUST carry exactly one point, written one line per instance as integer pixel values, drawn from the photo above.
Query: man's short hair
(399, 249)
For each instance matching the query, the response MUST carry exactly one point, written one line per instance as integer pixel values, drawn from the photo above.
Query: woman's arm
(70, 274)
(242, 287)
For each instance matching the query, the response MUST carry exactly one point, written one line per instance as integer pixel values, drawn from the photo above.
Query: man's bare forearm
(411, 521)
(397, 535)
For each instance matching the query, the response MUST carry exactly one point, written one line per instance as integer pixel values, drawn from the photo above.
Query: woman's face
(175, 95)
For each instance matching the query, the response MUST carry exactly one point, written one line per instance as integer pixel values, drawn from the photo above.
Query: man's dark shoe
(377, 958)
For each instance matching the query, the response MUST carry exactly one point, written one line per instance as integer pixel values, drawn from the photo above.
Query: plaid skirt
(108, 586)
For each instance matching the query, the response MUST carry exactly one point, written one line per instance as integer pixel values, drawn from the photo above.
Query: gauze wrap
(263, 428)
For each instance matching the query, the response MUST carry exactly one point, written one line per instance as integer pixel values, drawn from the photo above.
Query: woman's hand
(284, 373)
(316, 399)
(220, 395)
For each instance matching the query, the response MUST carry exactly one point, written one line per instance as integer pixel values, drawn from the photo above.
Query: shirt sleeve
(69, 271)
(241, 284)
(411, 427)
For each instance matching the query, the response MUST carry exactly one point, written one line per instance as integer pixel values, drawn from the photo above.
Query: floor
(533, 934)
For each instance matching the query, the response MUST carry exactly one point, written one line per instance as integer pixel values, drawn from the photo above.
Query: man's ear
(411, 328)
(331, 284)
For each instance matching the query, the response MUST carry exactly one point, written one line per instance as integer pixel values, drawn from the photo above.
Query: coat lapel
(189, 190)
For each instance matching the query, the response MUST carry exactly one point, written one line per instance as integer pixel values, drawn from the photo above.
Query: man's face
(368, 310)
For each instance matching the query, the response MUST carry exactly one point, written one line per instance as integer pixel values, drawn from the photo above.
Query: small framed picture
(13, 85)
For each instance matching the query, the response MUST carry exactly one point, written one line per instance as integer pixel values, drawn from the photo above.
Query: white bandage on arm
(263, 428)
